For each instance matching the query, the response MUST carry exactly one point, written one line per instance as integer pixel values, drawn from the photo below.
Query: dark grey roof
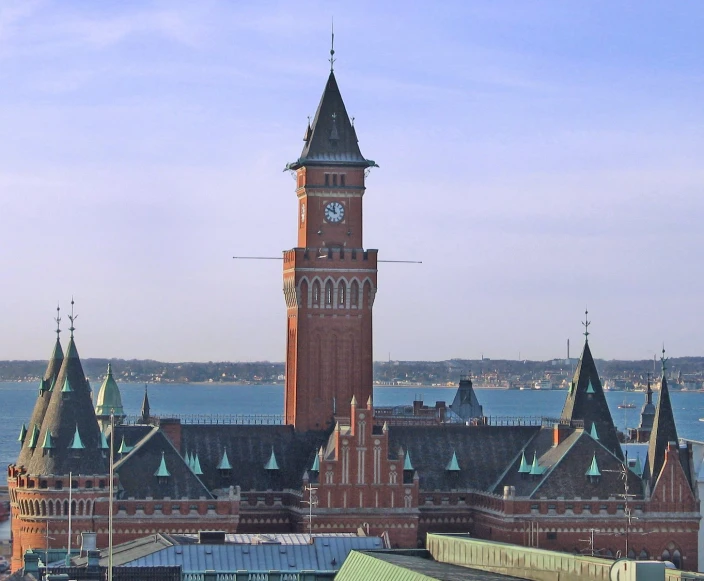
(42, 403)
(663, 432)
(331, 140)
(248, 450)
(129, 551)
(483, 452)
(137, 468)
(589, 403)
(325, 554)
(647, 413)
(466, 405)
(68, 410)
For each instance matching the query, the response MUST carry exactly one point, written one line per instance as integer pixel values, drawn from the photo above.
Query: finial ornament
(332, 45)
(586, 324)
(663, 359)
(72, 318)
(58, 320)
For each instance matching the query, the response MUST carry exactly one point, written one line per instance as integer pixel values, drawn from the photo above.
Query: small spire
(145, 406)
(224, 461)
(593, 433)
(354, 401)
(407, 464)
(77, 443)
(67, 386)
(23, 434)
(369, 402)
(524, 468)
(332, 45)
(453, 465)
(48, 441)
(124, 448)
(34, 438)
(536, 469)
(72, 318)
(590, 387)
(316, 464)
(638, 468)
(586, 324)
(197, 470)
(272, 464)
(385, 427)
(649, 393)
(162, 471)
(593, 470)
(103, 442)
(58, 320)
(663, 360)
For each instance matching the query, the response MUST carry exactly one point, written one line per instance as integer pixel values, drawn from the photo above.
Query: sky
(538, 157)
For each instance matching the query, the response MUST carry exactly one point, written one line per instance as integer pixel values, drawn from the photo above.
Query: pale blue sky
(537, 156)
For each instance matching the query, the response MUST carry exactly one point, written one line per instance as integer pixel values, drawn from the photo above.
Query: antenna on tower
(58, 321)
(332, 44)
(72, 318)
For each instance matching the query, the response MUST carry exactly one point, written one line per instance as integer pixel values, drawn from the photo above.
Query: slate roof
(664, 431)
(331, 139)
(466, 405)
(586, 401)
(43, 397)
(483, 452)
(138, 469)
(249, 448)
(564, 469)
(65, 412)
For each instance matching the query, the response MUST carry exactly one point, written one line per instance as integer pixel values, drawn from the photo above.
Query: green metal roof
(272, 464)
(77, 443)
(103, 442)
(453, 465)
(67, 387)
(124, 448)
(590, 388)
(224, 462)
(162, 472)
(109, 398)
(593, 468)
(34, 438)
(196, 466)
(43, 385)
(536, 469)
(407, 464)
(316, 464)
(524, 468)
(48, 441)
(593, 433)
(638, 468)
(23, 434)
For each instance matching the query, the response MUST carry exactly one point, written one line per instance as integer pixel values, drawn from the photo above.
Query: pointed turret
(70, 408)
(162, 471)
(272, 464)
(42, 403)
(586, 402)
(593, 471)
(453, 465)
(524, 467)
(145, 407)
(109, 401)
(197, 470)
(536, 469)
(224, 462)
(331, 139)
(664, 430)
(466, 405)
(647, 414)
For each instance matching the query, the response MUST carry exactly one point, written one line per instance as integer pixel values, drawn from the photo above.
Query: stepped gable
(331, 140)
(664, 431)
(138, 469)
(248, 450)
(482, 452)
(586, 402)
(43, 398)
(562, 469)
(70, 407)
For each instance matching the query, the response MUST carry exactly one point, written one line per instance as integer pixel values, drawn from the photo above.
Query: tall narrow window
(334, 179)
(342, 294)
(354, 294)
(328, 293)
(327, 179)
(316, 293)
(342, 180)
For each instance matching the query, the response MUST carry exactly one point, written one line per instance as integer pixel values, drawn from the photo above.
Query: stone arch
(81, 507)
(43, 507)
(51, 508)
(677, 558)
(316, 292)
(89, 508)
(341, 294)
(354, 293)
(35, 512)
(367, 294)
(65, 508)
(329, 293)
(73, 507)
(303, 298)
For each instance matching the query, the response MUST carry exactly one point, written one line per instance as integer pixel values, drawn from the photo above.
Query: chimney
(93, 565)
(172, 428)
(559, 433)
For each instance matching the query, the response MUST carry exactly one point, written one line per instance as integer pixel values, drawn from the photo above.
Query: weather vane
(72, 318)
(332, 45)
(58, 321)
(663, 359)
(586, 324)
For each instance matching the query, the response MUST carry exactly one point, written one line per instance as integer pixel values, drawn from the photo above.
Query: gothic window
(334, 179)
(328, 293)
(354, 294)
(327, 179)
(329, 477)
(342, 180)
(392, 477)
(677, 559)
(316, 293)
(51, 508)
(643, 555)
(342, 294)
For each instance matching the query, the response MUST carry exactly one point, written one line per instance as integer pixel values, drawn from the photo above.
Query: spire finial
(586, 324)
(58, 320)
(332, 44)
(663, 360)
(72, 318)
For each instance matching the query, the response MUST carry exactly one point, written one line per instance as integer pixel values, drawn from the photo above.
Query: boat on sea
(626, 406)
(543, 384)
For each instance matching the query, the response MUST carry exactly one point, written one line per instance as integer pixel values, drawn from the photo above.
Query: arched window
(73, 507)
(51, 508)
(644, 555)
(665, 555)
(677, 559)
(303, 296)
(43, 505)
(316, 293)
(342, 294)
(65, 507)
(354, 294)
(328, 293)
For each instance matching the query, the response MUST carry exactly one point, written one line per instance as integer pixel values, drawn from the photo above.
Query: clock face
(334, 212)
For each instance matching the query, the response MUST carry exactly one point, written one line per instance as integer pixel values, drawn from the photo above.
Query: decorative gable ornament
(593, 473)
(224, 461)
(197, 470)
(590, 387)
(453, 465)
(103, 442)
(593, 433)
(77, 443)
(408, 465)
(34, 438)
(23, 434)
(272, 464)
(536, 469)
(524, 468)
(48, 441)
(124, 448)
(316, 464)
(162, 472)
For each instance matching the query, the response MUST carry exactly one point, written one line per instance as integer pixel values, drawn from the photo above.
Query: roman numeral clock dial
(334, 212)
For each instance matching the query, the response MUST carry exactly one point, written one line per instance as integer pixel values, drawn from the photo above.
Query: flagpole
(110, 508)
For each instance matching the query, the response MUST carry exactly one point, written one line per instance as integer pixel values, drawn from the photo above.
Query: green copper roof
(407, 464)
(453, 465)
(43, 386)
(590, 388)
(77, 443)
(67, 387)
(536, 469)
(316, 464)
(196, 466)
(124, 448)
(48, 441)
(162, 471)
(593, 433)
(272, 464)
(23, 434)
(189, 460)
(638, 468)
(109, 398)
(593, 468)
(524, 468)
(34, 438)
(103, 442)
(53, 382)
(224, 462)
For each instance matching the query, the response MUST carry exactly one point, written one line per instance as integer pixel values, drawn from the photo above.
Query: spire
(23, 434)
(103, 442)
(271, 464)
(536, 469)
(316, 464)
(638, 468)
(67, 387)
(593, 470)
(664, 429)
(332, 46)
(197, 470)
(48, 441)
(586, 402)
(407, 464)
(593, 433)
(109, 399)
(124, 447)
(224, 461)
(34, 438)
(145, 406)
(77, 443)
(453, 465)
(524, 468)
(72, 318)
(586, 324)
(162, 471)
(332, 139)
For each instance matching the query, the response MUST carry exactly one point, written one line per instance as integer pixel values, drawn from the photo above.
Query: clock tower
(329, 278)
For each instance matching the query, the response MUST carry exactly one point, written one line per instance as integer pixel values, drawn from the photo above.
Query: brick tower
(329, 278)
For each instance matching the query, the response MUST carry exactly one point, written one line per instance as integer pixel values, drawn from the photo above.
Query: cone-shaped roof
(23, 434)
(316, 464)
(586, 402)
(77, 443)
(407, 464)
(664, 431)
(453, 465)
(145, 406)
(109, 398)
(524, 468)
(638, 468)
(48, 441)
(271, 464)
(536, 469)
(124, 447)
(162, 472)
(593, 433)
(197, 470)
(224, 462)
(33, 438)
(331, 139)
(66, 411)
(42, 402)
(103, 442)
(593, 469)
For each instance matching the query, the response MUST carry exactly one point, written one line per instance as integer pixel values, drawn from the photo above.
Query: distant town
(685, 373)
